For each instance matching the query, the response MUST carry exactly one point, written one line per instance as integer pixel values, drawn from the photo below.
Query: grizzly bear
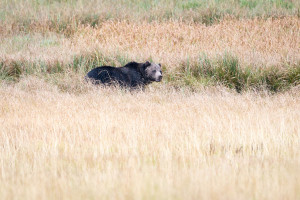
(132, 75)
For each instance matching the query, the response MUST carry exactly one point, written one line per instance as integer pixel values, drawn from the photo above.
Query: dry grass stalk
(160, 144)
(255, 42)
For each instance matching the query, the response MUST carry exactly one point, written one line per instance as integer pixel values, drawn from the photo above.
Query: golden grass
(254, 42)
(157, 144)
(61, 138)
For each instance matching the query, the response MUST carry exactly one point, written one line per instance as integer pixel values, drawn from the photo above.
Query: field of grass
(223, 123)
(241, 54)
(159, 144)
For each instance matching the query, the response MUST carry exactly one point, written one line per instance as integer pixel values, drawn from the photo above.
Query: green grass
(226, 71)
(229, 72)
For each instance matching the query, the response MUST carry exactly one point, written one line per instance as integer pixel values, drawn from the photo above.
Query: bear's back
(133, 73)
(106, 74)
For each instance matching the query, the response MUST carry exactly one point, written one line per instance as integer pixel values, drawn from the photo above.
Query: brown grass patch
(254, 42)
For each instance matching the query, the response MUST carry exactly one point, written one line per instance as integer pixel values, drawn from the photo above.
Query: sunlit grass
(223, 123)
(160, 143)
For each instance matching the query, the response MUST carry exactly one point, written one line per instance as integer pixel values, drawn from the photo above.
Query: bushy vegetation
(229, 72)
(226, 71)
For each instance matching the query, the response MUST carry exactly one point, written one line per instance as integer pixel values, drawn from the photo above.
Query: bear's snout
(159, 78)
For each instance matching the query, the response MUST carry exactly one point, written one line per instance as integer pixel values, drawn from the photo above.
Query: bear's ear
(146, 64)
(159, 64)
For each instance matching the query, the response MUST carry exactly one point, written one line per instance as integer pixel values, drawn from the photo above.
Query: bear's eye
(153, 71)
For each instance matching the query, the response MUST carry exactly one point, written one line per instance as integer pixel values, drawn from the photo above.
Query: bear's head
(152, 71)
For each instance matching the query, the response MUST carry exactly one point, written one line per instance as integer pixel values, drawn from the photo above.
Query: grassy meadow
(223, 123)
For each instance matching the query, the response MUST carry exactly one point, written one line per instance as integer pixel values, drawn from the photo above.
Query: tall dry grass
(61, 138)
(157, 144)
(256, 43)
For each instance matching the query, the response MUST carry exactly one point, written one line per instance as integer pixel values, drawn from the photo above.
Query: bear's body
(132, 75)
